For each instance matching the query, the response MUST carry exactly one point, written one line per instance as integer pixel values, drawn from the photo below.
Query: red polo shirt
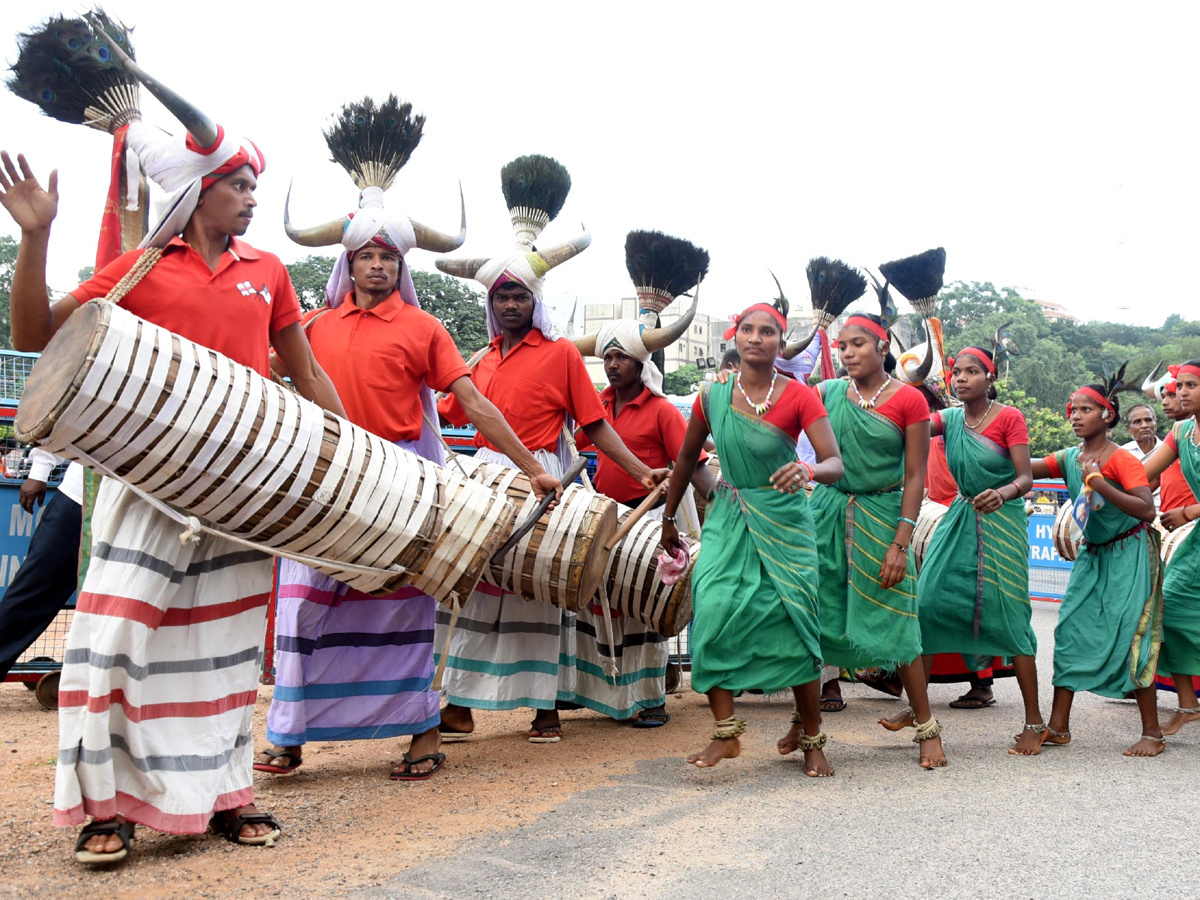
(533, 387)
(1174, 490)
(232, 310)
(379, 358)
(652, 428)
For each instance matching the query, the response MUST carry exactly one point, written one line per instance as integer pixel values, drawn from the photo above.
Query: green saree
(1181, 585)
(862, 624)
(974, 586)
(755, 582)
(1110, 625)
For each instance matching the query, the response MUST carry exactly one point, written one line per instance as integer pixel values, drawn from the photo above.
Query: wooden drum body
(250, 459)
(1172, 539)
(561, 560)
(632, 582)
(1067, 536)
(928, 518)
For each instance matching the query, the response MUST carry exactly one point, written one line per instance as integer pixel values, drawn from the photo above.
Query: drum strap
(150, 256)
(611, 669)
(570, 440)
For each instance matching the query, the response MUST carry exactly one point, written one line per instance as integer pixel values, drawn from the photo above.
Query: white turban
(527, 269)
(626, 336)
(177, 167)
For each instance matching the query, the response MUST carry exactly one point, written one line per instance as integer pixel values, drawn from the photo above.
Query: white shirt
(1136, 449)
(41, 463)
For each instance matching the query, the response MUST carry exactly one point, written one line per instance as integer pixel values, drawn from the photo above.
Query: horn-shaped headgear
(654, 339)
(1157, 389)
(833, 286)
(662, 268)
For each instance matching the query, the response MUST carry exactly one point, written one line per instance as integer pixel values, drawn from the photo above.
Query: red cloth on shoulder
(794, 411)
(907, 406)
(940, 483)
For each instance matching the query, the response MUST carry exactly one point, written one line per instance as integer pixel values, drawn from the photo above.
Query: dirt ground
(345, 825)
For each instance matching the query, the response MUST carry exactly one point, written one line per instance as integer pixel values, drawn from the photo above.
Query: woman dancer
(974, 586)
(865, 521)
(1181, 585)
(754, 588)
(1110, 625)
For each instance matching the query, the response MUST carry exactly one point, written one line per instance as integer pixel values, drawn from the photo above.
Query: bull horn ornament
(331, 232)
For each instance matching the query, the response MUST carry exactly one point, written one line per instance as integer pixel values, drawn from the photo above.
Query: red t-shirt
(795, 410)
(533, 387)
(1008, 429)
(941, 484)
(651, 427)
(378, 359)
(1122, 467)
(1173, 489)
(232, 310)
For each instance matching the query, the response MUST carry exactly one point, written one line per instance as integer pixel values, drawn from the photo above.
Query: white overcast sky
(1047, 146)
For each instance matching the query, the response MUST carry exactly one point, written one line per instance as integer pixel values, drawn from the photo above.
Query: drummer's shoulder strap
(144, 263)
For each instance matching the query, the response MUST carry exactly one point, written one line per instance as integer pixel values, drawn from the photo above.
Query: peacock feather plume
(372, 141)
(67, 69)
(663, 267)
(919, 278)
(833, 286)
(535, 189)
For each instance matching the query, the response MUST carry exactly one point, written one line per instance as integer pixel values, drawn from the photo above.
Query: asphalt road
(1077, 821)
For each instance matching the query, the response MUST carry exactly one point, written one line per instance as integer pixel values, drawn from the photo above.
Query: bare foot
(816, 765)
(425, 744)
(932, 754)
(1147, 746)
(1029, 742)
(1054, 736)
(457, 719)
(104, 843)
(1179, 718)
(722, 748)
(790, 742)
(900, 721)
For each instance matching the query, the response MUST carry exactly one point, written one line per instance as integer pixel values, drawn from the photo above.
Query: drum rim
(595, 561)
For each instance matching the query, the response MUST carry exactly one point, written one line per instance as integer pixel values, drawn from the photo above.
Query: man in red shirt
(505, 651)
(177, 755)
(653, 430)
(349, 665)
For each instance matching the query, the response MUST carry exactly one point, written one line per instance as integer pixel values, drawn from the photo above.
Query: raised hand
(32, 208)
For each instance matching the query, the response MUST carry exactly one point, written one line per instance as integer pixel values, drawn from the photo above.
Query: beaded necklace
(759, 408)
(870, 404)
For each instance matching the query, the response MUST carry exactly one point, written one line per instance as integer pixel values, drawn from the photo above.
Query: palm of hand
(30, 206)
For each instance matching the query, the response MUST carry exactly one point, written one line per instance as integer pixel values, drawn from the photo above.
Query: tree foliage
(8, 263)
(309, 277)
(682, 381)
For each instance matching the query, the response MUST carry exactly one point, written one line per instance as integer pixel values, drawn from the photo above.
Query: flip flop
(454, 737)
(883, 685)
(971, 703)
(835, 704)
(542, 737)
(274, 753)
(123, 830)
(651, 719)
(230, 825)
(408, 762)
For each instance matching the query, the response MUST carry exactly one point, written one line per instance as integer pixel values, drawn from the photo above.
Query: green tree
(682, 381)
(456, 306)
(1048, 431)
(309, 277)
(8, 263)
(85, 273)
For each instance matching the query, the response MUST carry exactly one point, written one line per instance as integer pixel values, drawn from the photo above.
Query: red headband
(1188, 370)
(757, 307)
(243, 157)
(1095, 395)
(979, 355)
(867, 325)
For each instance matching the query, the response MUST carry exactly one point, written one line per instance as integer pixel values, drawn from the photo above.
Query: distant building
(1055, 312)
(697, 344)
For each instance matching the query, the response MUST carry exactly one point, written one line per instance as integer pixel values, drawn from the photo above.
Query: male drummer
(349, 665)
(653, 429)
(159, 683)
(506, 651)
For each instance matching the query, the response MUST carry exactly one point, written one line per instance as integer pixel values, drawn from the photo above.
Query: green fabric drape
(1181, 584)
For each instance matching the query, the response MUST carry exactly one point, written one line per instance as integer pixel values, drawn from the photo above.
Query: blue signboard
(15, 532)
(1042, 554)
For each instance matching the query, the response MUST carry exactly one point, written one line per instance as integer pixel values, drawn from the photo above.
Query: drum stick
(642, 509)
(538, 511)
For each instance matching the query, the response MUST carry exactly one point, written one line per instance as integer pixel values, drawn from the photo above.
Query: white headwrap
(626, 336)
(178, 169)
(527, 269)
(371, 219)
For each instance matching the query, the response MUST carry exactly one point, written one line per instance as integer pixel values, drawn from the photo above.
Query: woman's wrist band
(1088, 480)
(903, 549)
(906, 519)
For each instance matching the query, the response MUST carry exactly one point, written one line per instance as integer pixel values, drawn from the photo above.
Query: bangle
(906, 519)
(1088, 480)
(809, 468)
(903, 549)
(670, 519)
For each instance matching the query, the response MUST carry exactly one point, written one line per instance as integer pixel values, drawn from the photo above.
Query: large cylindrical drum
(632, 582)
(1172, 539)
(930, 515)
(561, 559)
(1066, 534)
(249, 458)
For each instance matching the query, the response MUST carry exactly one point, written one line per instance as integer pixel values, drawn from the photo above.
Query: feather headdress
(1004, 345)
(372, 141)
(535, 188)
(662, 268)
(833, 286)
(918, 278)
(68, 70)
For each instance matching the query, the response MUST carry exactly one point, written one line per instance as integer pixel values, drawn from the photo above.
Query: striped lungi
(160, 676)
(508, 652)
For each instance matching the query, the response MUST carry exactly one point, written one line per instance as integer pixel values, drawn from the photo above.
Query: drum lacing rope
(611, 669)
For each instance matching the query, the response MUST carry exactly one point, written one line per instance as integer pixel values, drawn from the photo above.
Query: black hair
(1116, 404)
(987, 355)
(731, 358)
(1195, 363)
(889, 361)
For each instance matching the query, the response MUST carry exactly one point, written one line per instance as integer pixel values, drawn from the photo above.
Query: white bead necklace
(759, 408)
(870, 404)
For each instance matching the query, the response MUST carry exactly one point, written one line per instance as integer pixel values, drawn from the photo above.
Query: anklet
(908, 711)
(796, 720)
(1036, 729)
(815, 742)
(728, 728)
(1058, 734)
(1157, 740)
(1187, 711)
(927, 731)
